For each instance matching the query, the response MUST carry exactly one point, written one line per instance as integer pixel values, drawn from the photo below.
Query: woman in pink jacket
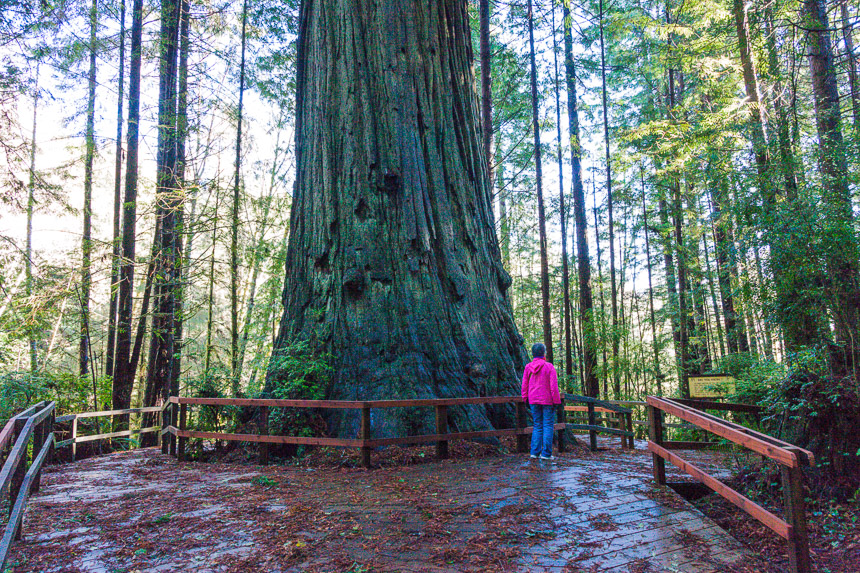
(540, 391)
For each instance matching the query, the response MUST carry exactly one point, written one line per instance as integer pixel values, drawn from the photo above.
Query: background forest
(673, 192)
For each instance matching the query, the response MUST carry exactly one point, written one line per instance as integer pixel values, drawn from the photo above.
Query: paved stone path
(142, 512)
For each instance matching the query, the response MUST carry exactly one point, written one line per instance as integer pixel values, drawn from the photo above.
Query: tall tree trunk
(799, 319)
(86, 237)
(590, 383)
(565, 271)
(486, 89)
(167, 200)
(544, 260)
(123, 381)
(713, 292)
(671, 282)
(393, 264)
(234, 223)
(848, 37)
(28, 249)
(182, 229)
(840, 239)
(210, 321)
(658, 376)
(602, 343)
(616, 373)
(110, 352)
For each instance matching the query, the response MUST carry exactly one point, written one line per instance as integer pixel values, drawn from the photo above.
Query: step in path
(141, 511)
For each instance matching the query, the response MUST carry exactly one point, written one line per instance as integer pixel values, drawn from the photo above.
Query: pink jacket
(540, 383)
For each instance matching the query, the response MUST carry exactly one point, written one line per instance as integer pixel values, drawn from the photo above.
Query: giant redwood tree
(393, 265)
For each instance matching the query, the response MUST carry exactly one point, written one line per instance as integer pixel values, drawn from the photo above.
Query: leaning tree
(393, 265)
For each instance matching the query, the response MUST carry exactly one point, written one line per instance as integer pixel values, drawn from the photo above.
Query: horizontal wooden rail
(345, 404)
(791, 460)
(177, 434)
(773, 522)
(76, 439)
(593, 405)
(34, 423)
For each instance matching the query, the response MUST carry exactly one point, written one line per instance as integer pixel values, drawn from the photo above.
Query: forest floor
(480, 511)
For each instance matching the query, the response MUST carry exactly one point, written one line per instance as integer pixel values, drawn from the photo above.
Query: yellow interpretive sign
(711, 386)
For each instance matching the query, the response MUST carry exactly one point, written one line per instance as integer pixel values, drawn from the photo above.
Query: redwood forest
(289, 212)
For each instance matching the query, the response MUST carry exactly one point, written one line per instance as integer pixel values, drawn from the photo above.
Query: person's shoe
(547, 457)
(534, 457)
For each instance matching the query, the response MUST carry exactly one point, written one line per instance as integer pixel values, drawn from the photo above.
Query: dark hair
(538, 350)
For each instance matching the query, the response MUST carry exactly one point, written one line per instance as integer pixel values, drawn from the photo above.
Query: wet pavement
(141, 511)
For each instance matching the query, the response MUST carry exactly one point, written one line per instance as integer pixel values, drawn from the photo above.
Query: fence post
(522, 439)
(38, 442)
(628, 418)
(592, 434)
(74, 437)
(795, 513)
(264, 431)
(365, 435)
(183, 414)
(655, 434)
(52, 451)
(172, 421)
(442, 428)
(561, 417)
(163, 440)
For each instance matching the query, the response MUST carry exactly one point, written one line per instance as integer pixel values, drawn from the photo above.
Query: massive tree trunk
(486, 88)
(393, 265)
(123, 381)
(590, 384)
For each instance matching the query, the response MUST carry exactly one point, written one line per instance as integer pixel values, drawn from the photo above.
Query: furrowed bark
(393, 264)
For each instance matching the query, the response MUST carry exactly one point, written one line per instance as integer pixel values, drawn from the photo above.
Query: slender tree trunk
(840, 239)
(616, 373)
(210, 322)
(605, 370)
(168, 201)
(713, 292)
(736, 340)
(671, 283)
(110, 353)
(86, 236)
(181, 229)
(234, 242)
(565, 271)
(658, 376)
(848, 37)
(590, 383)
(544, 261)
(28, 249)
(486, 88)
(124, 376)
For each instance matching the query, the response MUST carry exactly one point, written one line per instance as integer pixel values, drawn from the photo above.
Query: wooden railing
(623, 420)
(175, 424)
(76, 438)
(791, 460)
(34, 423)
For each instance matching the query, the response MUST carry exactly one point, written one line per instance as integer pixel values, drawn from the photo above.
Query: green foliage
(72, 393)
(297, 372)
(264, 481)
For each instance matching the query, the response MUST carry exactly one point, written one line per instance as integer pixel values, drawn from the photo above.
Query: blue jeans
(543, 419)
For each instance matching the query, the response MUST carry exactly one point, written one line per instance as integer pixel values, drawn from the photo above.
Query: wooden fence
(75, 438)
(35, 425)
(623, 419)
(791, 460)
(175, 424)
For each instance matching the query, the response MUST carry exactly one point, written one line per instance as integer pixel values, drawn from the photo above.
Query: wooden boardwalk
(141, 511)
